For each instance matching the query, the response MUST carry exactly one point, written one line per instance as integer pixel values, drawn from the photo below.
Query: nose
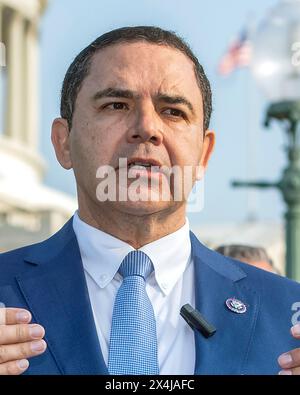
(147, 126)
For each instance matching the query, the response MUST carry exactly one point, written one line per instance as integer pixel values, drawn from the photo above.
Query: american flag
(238, 55)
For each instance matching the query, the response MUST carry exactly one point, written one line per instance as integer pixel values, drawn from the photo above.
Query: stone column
(31, 86)
(1, 13)
(2, 65)
(15, 74)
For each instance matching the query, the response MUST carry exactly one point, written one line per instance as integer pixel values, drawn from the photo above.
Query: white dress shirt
(169, 287)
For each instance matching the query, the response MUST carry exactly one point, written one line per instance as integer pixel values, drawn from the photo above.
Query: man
(256, 256)
(106, 291)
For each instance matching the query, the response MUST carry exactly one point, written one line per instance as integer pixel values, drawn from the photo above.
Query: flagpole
(251, 135)
(238, 55)
(251, 138)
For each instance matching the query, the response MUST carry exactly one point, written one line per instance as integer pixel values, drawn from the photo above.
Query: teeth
(139, 165)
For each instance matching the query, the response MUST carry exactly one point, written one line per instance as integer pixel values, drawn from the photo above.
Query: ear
(207, 149)
(60, 137)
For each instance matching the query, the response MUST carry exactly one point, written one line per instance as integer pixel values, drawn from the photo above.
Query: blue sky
(244, 148)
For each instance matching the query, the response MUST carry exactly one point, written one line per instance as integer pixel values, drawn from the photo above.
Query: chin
(141, 208)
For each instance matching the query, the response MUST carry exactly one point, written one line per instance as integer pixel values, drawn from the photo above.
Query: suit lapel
(216, 280)
(57, 296)
(56, 293)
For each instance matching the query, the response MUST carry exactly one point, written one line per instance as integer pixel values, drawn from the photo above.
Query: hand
(19, 340)
(290, 361)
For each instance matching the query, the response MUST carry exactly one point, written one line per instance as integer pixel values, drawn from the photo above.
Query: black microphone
(196, 321)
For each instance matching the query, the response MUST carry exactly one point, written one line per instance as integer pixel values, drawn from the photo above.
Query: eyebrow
(112, 92)
(176, 100)
(128, 94)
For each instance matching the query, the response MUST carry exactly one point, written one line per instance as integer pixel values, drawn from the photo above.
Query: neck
(136, 230)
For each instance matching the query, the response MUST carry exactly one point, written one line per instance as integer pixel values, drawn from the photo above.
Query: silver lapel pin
(236, 305)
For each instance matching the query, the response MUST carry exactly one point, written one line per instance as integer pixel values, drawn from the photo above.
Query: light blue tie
(133, 340)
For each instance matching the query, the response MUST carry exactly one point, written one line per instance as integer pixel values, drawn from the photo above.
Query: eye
(116, 106)
(174, 112)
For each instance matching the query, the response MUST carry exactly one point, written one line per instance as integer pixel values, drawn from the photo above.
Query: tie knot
(136, 263)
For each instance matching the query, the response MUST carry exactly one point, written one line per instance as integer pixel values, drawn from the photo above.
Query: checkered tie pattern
(133, 339)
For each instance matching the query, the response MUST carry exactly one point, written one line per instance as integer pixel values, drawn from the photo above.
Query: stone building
(29, 210)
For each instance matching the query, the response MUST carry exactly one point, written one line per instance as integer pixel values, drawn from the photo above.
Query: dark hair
(80, 67)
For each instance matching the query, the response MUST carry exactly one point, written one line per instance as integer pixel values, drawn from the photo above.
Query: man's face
(139, 101)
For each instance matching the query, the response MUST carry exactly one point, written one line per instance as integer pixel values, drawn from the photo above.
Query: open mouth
(142, 165)
(144, 170)
(138, 165)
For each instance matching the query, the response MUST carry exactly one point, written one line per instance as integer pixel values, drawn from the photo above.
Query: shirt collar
(103, 253)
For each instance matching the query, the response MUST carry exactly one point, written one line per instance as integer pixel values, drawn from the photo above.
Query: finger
(295, 331)
(12, 334)
(14, 368)
(2, 314)
(290, 359)
(11, 316)
(13, 352)
(289, 372)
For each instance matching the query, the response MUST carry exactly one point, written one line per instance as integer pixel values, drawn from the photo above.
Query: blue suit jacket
(48, 279)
